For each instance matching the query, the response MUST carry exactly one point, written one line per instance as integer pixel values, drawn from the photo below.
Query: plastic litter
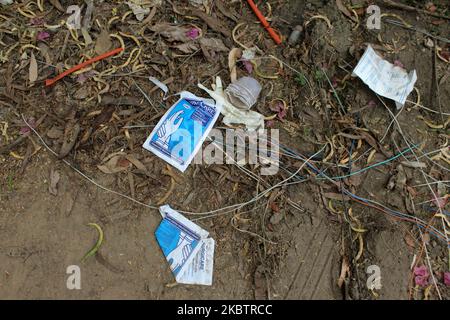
(181, 131)
(232, 115)
(384, 78)
(295, 35)
(244, 92)
(187, 248)
(6, 2)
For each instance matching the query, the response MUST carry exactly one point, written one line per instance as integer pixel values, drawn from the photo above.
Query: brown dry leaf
(260, 289)
(33, 71)
(45, 52)
(210, 46)
(187, 47)
(55, 133)
(233, 57)
(212, 22)
(214, 44)
(227, 11)
(173, 33)
(138, 164)
(54, 179)
(117, 163)
(410, 241)
(103, 43)
(57, 5)
(342, 8)
(71, 133)
(345, 269)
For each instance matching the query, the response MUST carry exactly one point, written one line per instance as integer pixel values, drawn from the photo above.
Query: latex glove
(232, 115)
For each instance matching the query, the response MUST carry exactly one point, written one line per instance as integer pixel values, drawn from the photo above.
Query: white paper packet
(384, 78)
(186, 247)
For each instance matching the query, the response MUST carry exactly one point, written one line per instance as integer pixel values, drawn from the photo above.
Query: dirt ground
(302, 241)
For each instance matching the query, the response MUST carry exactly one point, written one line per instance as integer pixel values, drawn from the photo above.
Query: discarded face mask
(243, 93)
(186, 247)
(232, 115)
(179, 134)
(384, 78)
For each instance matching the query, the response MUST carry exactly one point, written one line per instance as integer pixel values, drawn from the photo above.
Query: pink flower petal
(421, 281)
(397, 63)
(282, 114)
(25, 129)
(447, 278)
(193, 34)
(440, 202)
(37, 21)
(270, 124)
(43, 35)
(248, 66)
(421, 271)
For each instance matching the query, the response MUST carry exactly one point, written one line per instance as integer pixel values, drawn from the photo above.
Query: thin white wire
(429, 186)
(84, 175)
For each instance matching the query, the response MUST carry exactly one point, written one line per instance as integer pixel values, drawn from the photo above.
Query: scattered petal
(421, 271)
(421, 281)
(447, 278)
(193, 33)
(43, 35)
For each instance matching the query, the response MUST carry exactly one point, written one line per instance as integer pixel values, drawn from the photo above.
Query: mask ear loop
(165, 89)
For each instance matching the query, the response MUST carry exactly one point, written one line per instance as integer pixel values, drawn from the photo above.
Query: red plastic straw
(49, 82)
(264, 22)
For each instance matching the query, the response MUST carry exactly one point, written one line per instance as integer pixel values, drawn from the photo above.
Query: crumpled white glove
(232, 115)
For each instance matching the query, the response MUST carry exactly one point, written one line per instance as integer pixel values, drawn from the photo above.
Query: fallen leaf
(410, 241)
(187, 47)
(70, 137)
(55, 133)
(33, 71)
(345, 269)
(57, 5)
(43, 35)
(103, 43)
(174, 32)
(214, 44)
(233, 57)
(54, 179)
(117, 163)
(342, 8)
(138, 11)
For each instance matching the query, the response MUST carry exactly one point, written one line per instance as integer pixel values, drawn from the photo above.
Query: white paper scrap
(384, 78)
(186, 247)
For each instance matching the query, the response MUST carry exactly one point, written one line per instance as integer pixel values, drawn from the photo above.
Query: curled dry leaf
(103, 43)
(71, 133)
(210, 46)
(345, 270)
(342, 8)
(138, 11)
(174, 33)
(54, 179)
(116, 162)
(33, 71)
(57, 5)
(233, 57)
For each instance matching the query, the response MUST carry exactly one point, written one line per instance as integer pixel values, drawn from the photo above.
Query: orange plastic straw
(264, 22)
(49, 82)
